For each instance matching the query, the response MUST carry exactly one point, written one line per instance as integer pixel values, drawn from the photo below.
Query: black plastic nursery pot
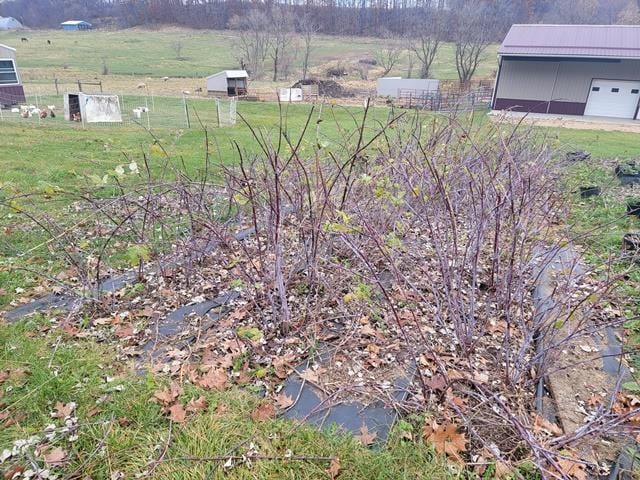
(633, 207)
(628, 173)
(588, 192)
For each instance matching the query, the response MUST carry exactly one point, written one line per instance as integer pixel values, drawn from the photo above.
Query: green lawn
(150, 53)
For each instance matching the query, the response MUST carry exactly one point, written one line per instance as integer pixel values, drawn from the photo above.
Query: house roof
(589, 41)
(75, 22)
(231, 74)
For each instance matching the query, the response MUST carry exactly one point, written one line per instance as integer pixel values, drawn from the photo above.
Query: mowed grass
(140, 52)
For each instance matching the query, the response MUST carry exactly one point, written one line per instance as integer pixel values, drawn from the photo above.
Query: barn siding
(559, 81)
(526, 80)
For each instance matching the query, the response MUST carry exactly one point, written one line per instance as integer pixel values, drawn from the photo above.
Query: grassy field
(136, 55)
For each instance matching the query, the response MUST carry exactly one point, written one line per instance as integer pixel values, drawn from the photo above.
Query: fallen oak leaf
(542, 424)
(283, 401)
(215, 379)
(63, 410)
(57, 456)
(170, 394)
(446, 439)
(196, 405)
(572, 468)
(366, 437)
(334, 468)
(177, 413)
(263, 412)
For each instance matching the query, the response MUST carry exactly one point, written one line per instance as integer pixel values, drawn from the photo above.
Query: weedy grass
(122, 430)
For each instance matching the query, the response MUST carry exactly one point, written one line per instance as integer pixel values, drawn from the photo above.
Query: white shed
(92, 107)
(228, 83)
(394, 86)
(11, 90)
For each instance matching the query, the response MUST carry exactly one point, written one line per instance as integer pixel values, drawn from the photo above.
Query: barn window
(615, 90)
(8, 74)
(595, 89)
(635, 91)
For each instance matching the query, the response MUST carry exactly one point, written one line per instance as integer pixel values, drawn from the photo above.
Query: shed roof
(231, 74)
(590, 41)
(2, 45)
(75, 22)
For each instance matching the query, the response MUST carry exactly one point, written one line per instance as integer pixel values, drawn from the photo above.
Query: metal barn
(11, 89)
(570, 70)
(92, 108)
(229, 83)
(396, 87)
(74, 25)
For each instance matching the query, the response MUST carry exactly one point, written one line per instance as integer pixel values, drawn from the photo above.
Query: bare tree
(281, 45)
(308, 30)
(573, 11)
(426, 40)
(473, 33)
(389, 54)
(255, 40)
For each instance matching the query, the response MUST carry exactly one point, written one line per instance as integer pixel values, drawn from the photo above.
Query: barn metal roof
(231, 74)
(589, 41)
(75, 22)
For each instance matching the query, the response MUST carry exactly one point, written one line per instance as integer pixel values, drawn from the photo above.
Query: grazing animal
(186, 92)
(24, 39)
(199, 90)
(52, 114)
(48, 42)
(15, 110)
(164, 79)
(44, 114)
(142, 85)
(76, 117)
(26, 114)
(51, 107)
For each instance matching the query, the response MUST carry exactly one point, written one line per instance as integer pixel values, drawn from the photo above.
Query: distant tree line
(346, 17)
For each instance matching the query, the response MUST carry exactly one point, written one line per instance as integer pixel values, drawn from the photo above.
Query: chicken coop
(11, 89)
(228, 83)
(92, 108)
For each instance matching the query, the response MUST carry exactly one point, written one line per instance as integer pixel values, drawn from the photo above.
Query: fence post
(55, 81)
(79, 86)
(186, 110)
(101, 86)
(146, 105)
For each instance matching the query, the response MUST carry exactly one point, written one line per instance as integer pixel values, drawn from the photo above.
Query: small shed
(74, 25)
(9, 23)
(591, 70)
(92, 107)
(11, 89)
(229, 83)
(394, 87)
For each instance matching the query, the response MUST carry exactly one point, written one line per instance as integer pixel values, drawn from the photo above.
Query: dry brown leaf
(265, 411)
(366, 437)
(334, 468)
(124, 331)
(542, 424)
(215, 379)
(572, 469)
(446, 439)
(57, 456)
(63, 410)
(13, 471)
(169, 395)
(197, 405)
(4, 375)
(309, 375)
(283, 400)
(177, 413)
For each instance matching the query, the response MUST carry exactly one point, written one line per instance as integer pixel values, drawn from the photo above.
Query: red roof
(594, 41)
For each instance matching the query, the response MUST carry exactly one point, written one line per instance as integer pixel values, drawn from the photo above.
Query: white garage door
(613, 98)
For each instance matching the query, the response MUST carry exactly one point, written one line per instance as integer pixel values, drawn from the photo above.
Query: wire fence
(149, 111)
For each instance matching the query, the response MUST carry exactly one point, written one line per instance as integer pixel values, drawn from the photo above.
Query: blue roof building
(73, 25)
